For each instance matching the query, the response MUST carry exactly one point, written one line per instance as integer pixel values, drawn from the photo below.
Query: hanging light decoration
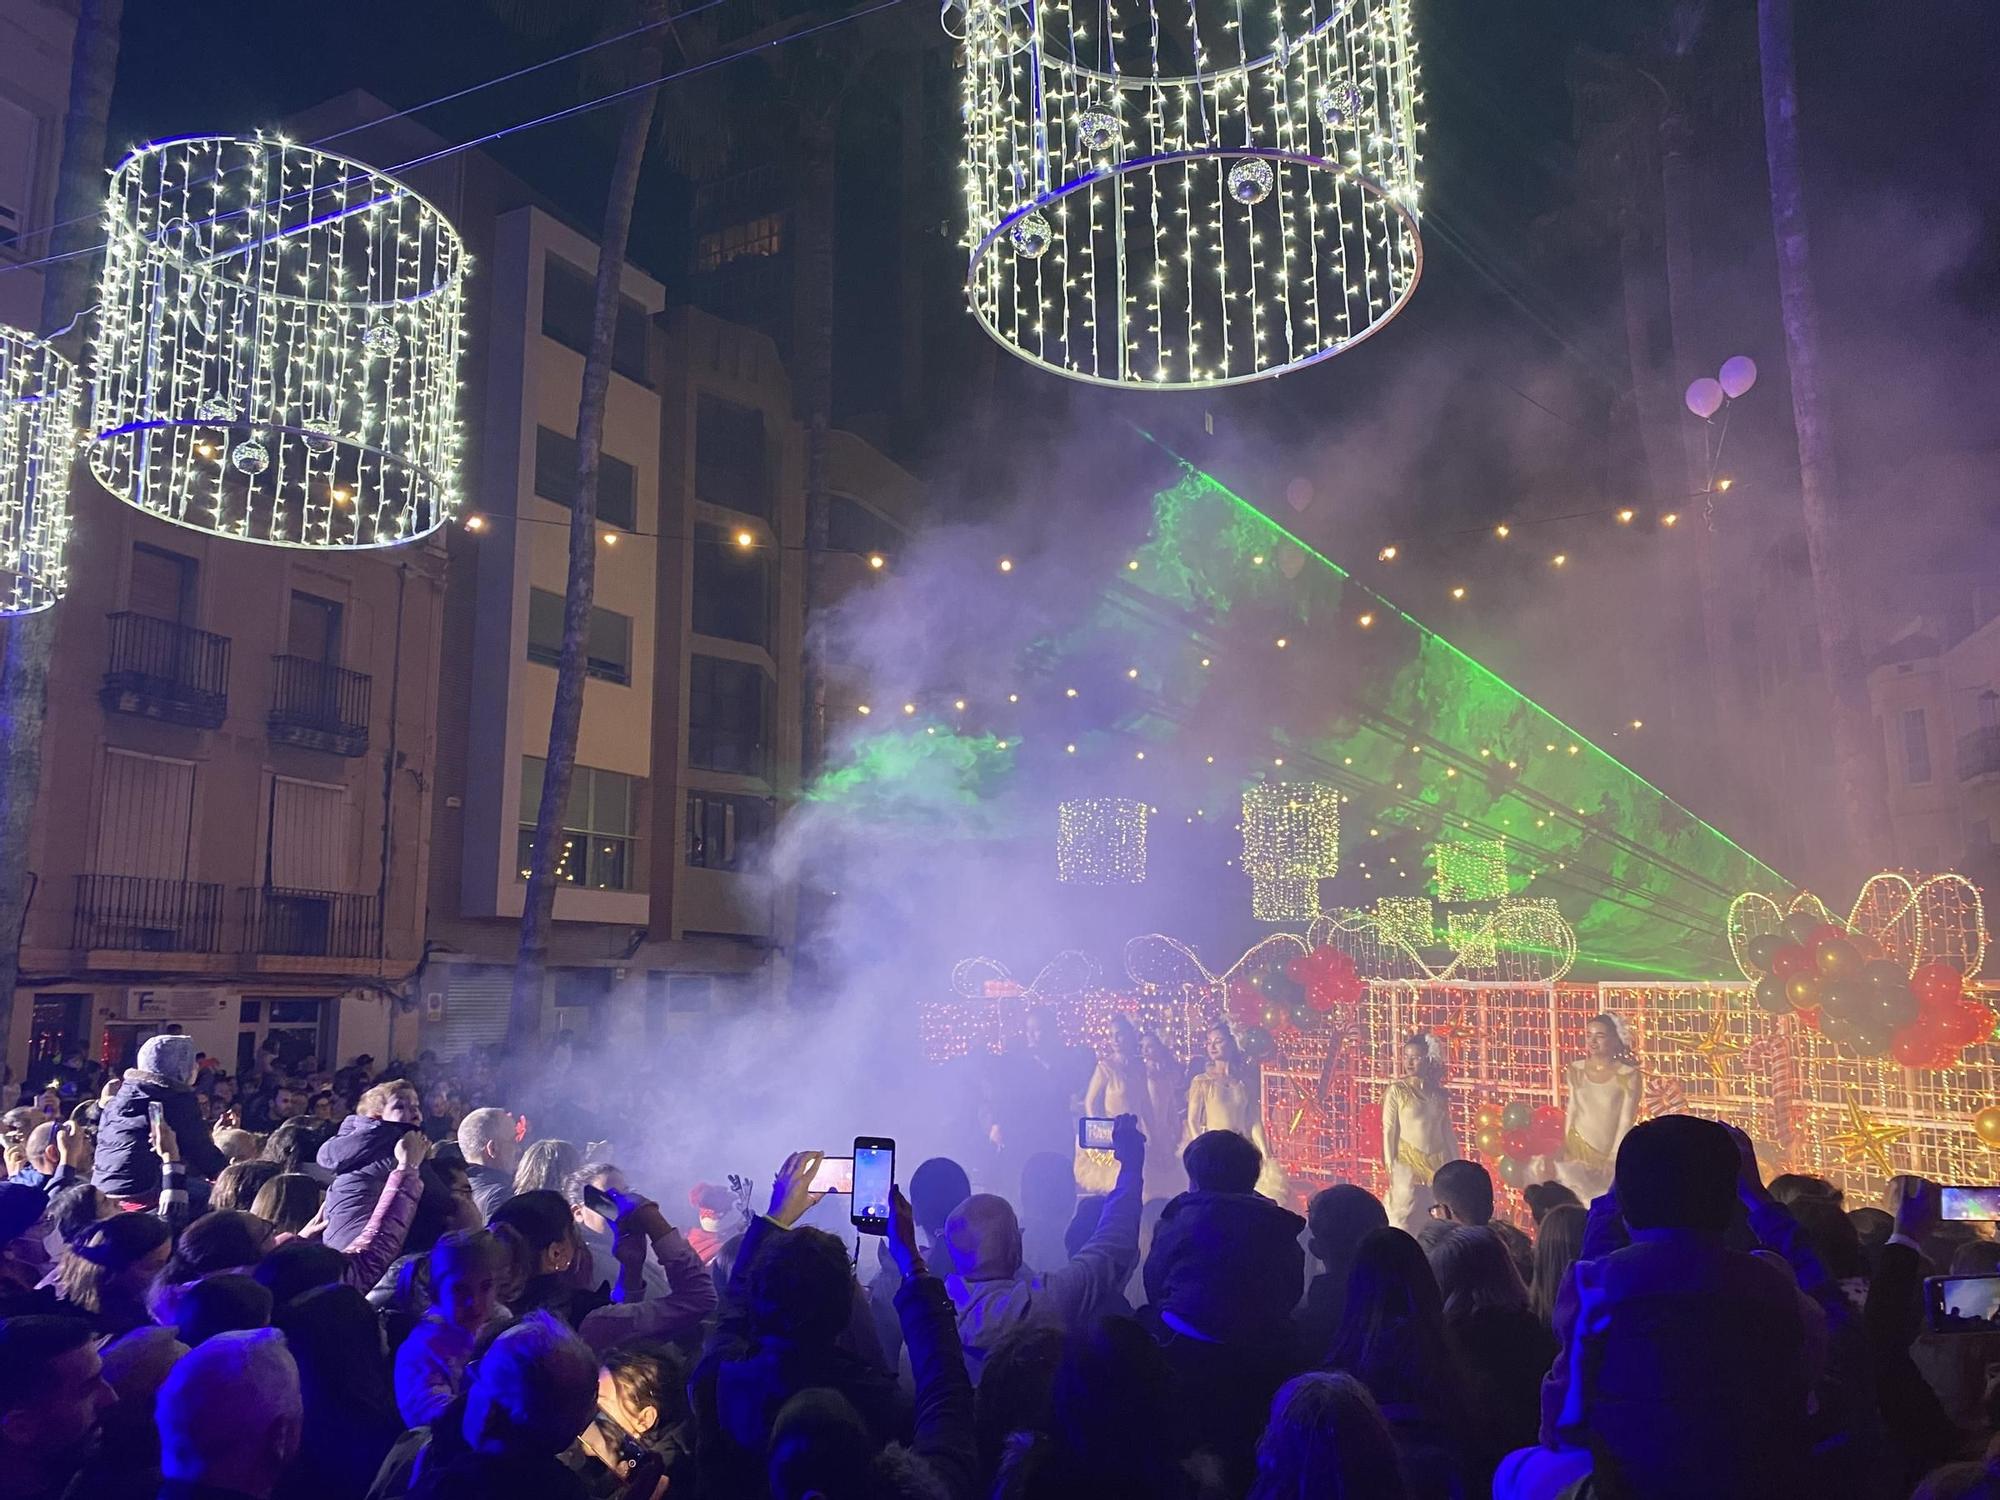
(277, 351)
(1188, 196)
(1470, 869)
(39, 398)
(1101, 841)
(1291, 842)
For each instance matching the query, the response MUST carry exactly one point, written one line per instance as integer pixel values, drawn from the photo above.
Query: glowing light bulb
(610, 538)
(909, 708)
(1132, 566)
(1669, 519)
(1625, 516)
(1013, 697)
(1070, 749)
(1366, 620)
(1503, 531)
(877, 560)
(1560, 559)
(863, 709)
(1387, 554)
(1069, 692)
(959, 704)
(1132, 672)
(1282, 643)
(745, 539)
(475, 523)
(1724, 482)
(1458, 592)
(1006, 564)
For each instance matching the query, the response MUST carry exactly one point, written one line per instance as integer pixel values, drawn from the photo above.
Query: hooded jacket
(360, 1156)
(125, 1165)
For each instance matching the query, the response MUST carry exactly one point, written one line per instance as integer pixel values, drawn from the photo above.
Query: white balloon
(1738, 375)
(1704, 397)
(1299, 494)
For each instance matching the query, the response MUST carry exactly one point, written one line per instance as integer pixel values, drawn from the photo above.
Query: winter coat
(491, 1187)
(1228, 1266)
(360, 1156)
(125, 1164)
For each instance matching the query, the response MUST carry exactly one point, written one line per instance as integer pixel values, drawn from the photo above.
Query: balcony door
(308, 864)
(162, 585)
(137, 894)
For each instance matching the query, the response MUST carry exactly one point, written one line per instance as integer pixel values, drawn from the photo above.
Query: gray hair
(228, 1390)
(483, 1128)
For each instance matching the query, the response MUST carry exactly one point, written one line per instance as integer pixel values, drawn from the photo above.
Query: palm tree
(1855, 760)
(30, 641)
(538, 909)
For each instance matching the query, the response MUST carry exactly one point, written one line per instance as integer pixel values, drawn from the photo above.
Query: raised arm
(944, 1434)
(1099, 1270)
(690, 1296)
(375, 1249)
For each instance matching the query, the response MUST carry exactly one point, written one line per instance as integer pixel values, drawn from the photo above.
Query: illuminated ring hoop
(277, 356)
(1368, 185)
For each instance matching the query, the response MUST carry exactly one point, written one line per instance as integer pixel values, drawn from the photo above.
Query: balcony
(140, 914)
(309, 924)
(319, 706)
(160, 669)
(1979, 754)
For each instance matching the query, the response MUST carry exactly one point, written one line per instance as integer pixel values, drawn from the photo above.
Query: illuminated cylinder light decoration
(1471, 869)
(1101, 841)
(277, 352)
(39, 401)
(1291, 842)
(1191, 195)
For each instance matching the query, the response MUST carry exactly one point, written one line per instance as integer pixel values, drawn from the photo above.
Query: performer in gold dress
(1604, 1089)
(1228, 1095)
(1117, 1087)
(1417, 1137)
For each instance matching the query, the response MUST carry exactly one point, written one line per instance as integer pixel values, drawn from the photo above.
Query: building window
(1989, 711)
(853, 527)
(600, 827)
(729, 713)
(310, 841)
(144, 814)
(729, 466)
(312, 629)
(162, 585)
(609, 651)
(754, 239)
(568, 295)
(732, 587)
(1916, 748)
(723, 830)
(555, 479)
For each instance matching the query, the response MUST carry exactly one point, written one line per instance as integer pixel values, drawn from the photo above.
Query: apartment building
(693, 705)
(233, 830)
(35, 41)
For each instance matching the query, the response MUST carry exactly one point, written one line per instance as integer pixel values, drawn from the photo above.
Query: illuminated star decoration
(1865, 1137)
(1716, 1049)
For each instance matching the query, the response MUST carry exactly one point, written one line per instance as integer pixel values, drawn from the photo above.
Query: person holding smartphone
(995, 1292)
(126, 1167)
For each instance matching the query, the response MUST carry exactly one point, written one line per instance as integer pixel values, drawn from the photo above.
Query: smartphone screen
(1093, 1132)
(1975, 1204)
(835, 1175)
(1963, 1304)
(874, 1174)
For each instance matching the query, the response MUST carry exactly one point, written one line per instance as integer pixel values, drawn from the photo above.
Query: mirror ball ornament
(1250, 180)
(1340, 106)
(1097, 127)
(1032, 236)
(250, 457)
(381, 339)
(318, 440)
(222, 412)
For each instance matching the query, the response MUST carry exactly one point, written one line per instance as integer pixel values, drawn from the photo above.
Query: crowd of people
(375, 1283)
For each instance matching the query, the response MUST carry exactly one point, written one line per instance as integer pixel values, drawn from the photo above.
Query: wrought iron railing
(165, 670)
(309, 924)
(315, 698)
(1979, 754)
(139, 913)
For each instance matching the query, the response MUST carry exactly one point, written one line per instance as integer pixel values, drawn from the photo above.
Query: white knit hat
(170, 1055)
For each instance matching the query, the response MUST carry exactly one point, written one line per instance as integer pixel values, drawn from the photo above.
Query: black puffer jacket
(126, 1166)
(360, 1157)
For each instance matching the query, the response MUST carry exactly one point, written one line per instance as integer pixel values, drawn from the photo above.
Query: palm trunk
(1855, 760)
(30, 640)
(538, 908)
(1678, 241)
(815, 351)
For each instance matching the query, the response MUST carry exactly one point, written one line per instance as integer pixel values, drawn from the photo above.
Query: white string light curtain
(278, 346)
(1189, 193)
(40, 398)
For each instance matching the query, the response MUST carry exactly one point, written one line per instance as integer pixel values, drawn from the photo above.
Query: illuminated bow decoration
(1069, 974)
(1536, 931)
(1940, 919)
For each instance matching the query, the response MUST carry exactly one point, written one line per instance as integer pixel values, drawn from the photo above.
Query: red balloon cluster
(1515, 1135)
(1841, 986)
(1328, 977)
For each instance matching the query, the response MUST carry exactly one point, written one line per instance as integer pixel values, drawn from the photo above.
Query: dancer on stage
(1228, 1095)
(1117, 1087)
(1165, 1116)
(1417, 1137)
(1604, 1089)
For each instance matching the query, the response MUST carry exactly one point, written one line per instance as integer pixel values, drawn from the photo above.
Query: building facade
(693, 705)
(36, 37)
